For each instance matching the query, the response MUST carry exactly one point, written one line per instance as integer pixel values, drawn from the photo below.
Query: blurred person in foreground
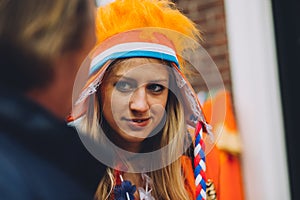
(42, 44)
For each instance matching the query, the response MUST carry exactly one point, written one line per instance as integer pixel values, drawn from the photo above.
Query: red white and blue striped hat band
(134, 49)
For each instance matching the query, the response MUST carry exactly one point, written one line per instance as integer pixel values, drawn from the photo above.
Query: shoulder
(11, 178)
(24, 174)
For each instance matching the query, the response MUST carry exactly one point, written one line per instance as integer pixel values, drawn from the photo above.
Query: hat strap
(199, 163)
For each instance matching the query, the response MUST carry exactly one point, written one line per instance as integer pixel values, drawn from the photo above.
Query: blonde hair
(39, 32)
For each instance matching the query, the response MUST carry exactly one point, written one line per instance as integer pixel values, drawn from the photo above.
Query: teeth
(138, 120)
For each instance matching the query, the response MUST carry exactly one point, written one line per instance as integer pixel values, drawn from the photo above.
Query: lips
(139, 120)
(137, 123)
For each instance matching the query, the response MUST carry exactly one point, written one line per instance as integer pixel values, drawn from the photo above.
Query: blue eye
(124, 86)
(155, 88)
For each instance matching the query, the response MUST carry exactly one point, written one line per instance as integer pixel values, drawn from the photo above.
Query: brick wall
(209, 15)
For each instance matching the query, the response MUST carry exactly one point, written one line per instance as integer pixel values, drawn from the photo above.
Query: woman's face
(134, 96)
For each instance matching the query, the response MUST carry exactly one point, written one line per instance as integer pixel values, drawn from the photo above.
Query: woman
(138, 104)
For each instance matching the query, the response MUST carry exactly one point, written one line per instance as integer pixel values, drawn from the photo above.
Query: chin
(131, 138)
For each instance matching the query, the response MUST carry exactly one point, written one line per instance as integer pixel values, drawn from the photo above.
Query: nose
(138, 101)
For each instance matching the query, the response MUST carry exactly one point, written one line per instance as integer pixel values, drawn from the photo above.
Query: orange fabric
(231, 186)
(188, 173)
(213, 168)
(223, 165)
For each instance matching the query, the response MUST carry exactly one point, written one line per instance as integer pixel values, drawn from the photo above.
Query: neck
(57, 95)
(133, 147)
(50, 99)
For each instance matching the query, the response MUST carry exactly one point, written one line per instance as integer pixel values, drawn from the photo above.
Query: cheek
(114, 105)
(161, 100)
(158, 105)
(118, 100)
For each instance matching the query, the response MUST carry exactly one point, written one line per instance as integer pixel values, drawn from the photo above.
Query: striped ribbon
(199, 163)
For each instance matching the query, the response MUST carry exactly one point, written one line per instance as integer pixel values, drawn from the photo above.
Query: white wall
(256, 96)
